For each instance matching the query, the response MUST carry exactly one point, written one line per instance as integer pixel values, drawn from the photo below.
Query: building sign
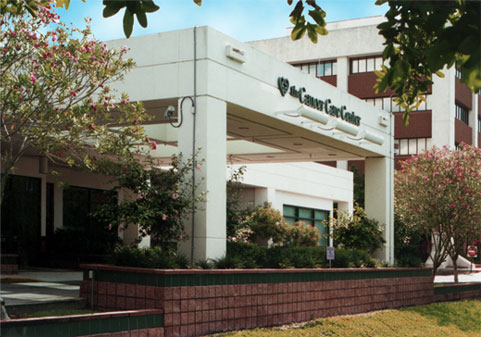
(317, 103)
(330, 255)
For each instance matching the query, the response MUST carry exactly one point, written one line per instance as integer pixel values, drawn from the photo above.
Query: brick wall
(145, 323)
(199, 302)
(456, 292)
(8, 264)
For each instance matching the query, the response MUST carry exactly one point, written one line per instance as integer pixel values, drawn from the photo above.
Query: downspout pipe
(194, 111)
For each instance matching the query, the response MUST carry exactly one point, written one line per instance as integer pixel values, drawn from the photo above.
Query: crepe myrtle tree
(54, 94)
(157, 199)
(439, 193)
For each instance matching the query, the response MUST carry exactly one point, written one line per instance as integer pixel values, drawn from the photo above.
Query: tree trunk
(455, 267)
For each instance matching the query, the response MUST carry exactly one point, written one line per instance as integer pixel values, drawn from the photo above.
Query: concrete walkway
(41, 289)
(463, 278)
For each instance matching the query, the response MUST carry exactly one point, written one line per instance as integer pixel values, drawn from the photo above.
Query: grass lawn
(450, 319)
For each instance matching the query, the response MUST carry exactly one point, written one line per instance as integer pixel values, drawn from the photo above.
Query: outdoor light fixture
(373, 138)
(235, 54)
(369, 136)
(313, 115)
(347, 128)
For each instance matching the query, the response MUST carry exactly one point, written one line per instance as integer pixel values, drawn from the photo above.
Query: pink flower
(72, 92)
(175, 196)
(92, 127)
(153, 145)
(198, 168)
(165, 217)
(33, 78)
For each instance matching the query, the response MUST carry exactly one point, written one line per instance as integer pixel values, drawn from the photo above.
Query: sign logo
(283, 84)
(317, 103)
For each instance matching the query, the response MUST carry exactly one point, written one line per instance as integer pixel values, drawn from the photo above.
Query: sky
(244, 20)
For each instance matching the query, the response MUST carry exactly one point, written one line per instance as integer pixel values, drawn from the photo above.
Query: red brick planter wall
(8, 264)
(456, 292)
(265, 299)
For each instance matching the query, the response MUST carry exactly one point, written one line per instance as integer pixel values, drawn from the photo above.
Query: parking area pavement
(37, 286)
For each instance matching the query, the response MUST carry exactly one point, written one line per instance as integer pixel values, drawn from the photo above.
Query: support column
(473, 119)
(379, 196)
(443, 107)
(343, 73)
(210, 141)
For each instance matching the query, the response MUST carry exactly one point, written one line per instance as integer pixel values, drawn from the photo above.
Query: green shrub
(408, 245)
(301, 234)
(147, 258)
(357, 231)
(247, 255)
(265, 223)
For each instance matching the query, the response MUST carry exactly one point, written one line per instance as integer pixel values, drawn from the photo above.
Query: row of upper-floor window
(357, 65)
(389, 104)
(319, 69)
(410, 146)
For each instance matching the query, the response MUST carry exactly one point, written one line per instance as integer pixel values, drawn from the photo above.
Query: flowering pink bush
(439, 192)
(163, 198)
(265, 223)
(301, 234)
(54, 95)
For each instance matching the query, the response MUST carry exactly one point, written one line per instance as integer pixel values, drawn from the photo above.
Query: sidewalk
(41, 289)
(463, 278)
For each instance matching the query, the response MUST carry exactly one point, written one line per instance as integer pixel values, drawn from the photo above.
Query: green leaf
(387, 52)
(112, 7)
(311, 32)
(297, 11)
(298, 31)
(198, 2)
(141, 17)
(150, 6)
(317, 16)
(321, 30)
(128, 23)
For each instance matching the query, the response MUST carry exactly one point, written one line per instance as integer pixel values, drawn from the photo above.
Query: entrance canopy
(251, 108)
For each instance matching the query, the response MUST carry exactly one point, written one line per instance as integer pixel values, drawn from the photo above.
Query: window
(462, 114)
(390, 105)
(79, 202)
(320, 68)
(479, 123)
(458, 73)
(412, 146)
(366, 64)
(310, 216)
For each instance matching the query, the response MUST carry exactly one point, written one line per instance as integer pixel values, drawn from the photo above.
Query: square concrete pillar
(443, 105)
(209, 231)
(379, 196)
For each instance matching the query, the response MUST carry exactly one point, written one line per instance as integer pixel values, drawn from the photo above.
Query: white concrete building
(347, 57)
(239, 105)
